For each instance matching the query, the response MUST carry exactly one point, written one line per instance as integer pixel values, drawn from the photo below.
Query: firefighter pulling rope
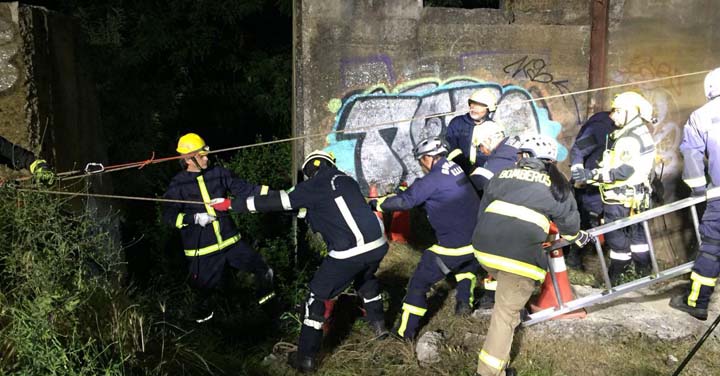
(99, 168)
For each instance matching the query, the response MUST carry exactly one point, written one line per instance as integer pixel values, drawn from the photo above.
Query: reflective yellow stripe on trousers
(473, 281)
(407, 310)
(697, 282)
(492, 361)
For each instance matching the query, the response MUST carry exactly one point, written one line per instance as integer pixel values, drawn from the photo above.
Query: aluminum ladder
(612, 292)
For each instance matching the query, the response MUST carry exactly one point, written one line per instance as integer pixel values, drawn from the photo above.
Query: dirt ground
(637, 334)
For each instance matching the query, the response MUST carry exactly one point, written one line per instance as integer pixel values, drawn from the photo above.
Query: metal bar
(696, 223)
(697, 346)
(648, 239)
(644, 216)
(603, 265)
(607, 295)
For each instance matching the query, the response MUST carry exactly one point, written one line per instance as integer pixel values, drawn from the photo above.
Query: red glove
(221, 204)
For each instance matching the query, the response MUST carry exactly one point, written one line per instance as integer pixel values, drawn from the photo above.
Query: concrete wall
(13, 82)
(371, 71)
(47, 99)
(649, 39)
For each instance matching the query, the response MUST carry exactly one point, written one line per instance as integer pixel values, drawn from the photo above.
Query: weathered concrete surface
(47, 101)
(13, 88)
(644, 312)
(371, 72)
(375, 72)
(651, 39)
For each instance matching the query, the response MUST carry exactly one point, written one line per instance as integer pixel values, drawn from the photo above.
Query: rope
(75, 174)
(111, 196)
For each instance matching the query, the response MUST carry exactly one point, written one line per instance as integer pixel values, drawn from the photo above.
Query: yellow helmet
(190, 143)
(484, 97)
(632, 101)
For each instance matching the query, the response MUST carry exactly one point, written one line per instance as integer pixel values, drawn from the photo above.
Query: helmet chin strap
(627, 122)
(196, 163)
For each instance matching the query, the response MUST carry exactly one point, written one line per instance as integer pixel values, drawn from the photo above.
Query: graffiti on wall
(663, 95)
(537, 70)
(377, 129)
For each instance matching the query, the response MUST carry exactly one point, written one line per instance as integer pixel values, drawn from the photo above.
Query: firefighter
(513, 222)
(211, 241)
(451, 205)
(623, 178)
(586, 152)
(464, 130)
(18, 158)
(501, 153)
(701, 139)
(334, 206)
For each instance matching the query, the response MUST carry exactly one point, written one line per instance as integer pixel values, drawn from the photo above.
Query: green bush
(63, 309)
(53, 263)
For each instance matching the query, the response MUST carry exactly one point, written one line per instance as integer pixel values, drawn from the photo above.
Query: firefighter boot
(462, 309)
(679, 302)
(379, 329)
(302, 363)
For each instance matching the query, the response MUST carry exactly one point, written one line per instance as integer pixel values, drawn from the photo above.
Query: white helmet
(539, 146)
(712, 84)
(489, 134)
(317, 157)
(431, 146)
(485, 97)
(632, 101)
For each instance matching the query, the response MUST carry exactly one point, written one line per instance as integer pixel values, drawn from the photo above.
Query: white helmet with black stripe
(431, 146)
(314, 160)
(539, 146)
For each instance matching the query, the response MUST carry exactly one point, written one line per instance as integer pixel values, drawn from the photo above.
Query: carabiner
(94, 168)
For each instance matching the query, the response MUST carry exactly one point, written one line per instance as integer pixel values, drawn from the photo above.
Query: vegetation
(76, 298)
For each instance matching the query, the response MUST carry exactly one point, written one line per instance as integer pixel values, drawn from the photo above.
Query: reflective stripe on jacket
(514, 219)
(215, 182)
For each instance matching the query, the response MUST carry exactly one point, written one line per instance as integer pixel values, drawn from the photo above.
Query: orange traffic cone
(329, 306)
(547, 298)
(400, 226)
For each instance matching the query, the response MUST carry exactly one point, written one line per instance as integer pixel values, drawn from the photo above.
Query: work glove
(580, 239)
(221, 204)
(581, 175)
(401, 188)
(373, 204)
(42, 173)
(203, 219)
